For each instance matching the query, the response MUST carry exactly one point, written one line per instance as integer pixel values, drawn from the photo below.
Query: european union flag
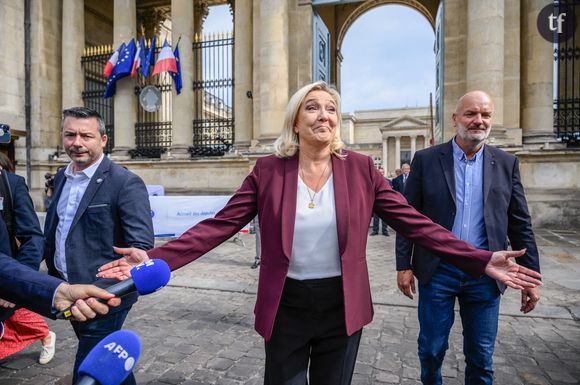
(150, 59)
(122, 68)
(125, 63)
(177, 75)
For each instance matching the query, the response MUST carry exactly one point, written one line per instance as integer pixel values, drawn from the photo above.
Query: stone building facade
(390, 136)
(492, 45)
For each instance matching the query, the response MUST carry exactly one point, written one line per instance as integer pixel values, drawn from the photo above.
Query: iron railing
(153, 130)
(213, 123)
(93, 62)
(567, 80)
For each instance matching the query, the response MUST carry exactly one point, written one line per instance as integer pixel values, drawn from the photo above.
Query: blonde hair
(287, 143)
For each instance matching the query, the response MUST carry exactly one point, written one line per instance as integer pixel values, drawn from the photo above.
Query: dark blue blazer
(114, 211)
(25, 287)
(430, 189)
(26, 230)
(397, 184)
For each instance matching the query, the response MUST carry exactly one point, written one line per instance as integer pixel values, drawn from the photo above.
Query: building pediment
(405, 122)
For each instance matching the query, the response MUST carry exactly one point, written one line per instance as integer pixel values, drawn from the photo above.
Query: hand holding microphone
(147, 277)
(111, 360)
(83, 302)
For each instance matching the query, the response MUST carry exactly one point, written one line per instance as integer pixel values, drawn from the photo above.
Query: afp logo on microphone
(121, 354)
(557, 22)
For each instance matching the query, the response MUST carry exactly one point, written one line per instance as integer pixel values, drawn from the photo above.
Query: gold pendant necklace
(311, 205)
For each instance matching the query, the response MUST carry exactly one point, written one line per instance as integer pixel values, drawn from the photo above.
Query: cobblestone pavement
(199, 330)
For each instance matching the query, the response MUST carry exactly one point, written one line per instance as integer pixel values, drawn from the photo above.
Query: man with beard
(475, 191)
(97, 205)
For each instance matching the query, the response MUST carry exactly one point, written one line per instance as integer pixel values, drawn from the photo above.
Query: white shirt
(72, 192)
(315, 243)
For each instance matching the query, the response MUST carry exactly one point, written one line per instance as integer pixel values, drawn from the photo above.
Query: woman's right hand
(120, 269)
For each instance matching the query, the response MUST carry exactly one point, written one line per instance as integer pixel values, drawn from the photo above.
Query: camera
(49, 182)
(4, 133)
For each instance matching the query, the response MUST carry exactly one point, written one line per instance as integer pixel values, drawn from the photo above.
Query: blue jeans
(479, 310)
(91, 333)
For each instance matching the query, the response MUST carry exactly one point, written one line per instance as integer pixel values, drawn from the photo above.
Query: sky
(388, 59)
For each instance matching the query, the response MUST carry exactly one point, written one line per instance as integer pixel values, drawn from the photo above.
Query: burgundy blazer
(359, 189)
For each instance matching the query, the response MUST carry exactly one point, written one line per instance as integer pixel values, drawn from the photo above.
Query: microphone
(111, 360)
(146, 278)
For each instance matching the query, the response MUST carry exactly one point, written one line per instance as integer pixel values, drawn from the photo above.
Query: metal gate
(213, 124)
(153, 130)
(93, 61)
(567, 80)
(213, 84)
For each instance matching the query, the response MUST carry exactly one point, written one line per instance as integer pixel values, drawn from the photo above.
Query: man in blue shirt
(97, 204)
(475, 191)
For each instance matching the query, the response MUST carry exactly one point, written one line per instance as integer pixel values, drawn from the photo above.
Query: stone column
(273, 67)
(124, 29)
(537, 80)
(413, 145)
(385, 154)
(485, 51)
(182, 104)
(200, 12)
(397, 152)
(243, 49)
(73, 44)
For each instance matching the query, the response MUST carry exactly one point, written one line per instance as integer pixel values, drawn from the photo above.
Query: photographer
(48, 189)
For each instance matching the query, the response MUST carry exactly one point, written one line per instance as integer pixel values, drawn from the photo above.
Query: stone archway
(340, 17)
(368, 5)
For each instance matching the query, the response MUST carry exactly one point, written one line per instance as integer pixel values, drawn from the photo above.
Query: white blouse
(315, 244)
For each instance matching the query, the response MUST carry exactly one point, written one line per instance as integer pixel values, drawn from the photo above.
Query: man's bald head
(470, 96)
(472, 121)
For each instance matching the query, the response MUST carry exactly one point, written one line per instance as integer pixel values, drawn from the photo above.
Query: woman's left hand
(120, 269)
(502, 268)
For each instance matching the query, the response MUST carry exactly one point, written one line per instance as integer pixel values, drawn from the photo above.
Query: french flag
(165, 61)
(112, 62)
(139, 57)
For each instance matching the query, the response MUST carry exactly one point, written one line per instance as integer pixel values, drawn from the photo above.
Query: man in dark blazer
(23, 241)
(23, 227)
(97, 205)
(376, 220)
(400, 181)
(46, 295)
(475, 191)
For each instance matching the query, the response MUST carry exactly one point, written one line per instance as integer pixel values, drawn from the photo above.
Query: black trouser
(376, 220)
(310, 331)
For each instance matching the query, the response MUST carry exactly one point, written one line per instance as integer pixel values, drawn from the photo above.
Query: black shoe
(386, 234)
(373, 233)
(256, 264)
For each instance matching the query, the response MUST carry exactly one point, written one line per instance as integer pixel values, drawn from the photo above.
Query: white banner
(173, 215)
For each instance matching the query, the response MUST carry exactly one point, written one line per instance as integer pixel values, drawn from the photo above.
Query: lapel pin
(98, 181)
